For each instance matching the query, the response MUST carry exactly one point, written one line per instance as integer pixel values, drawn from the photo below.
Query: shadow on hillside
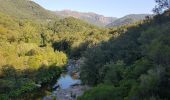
(27, 83)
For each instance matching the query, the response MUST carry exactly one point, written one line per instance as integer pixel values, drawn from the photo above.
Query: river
(68, 86)
(66, 81)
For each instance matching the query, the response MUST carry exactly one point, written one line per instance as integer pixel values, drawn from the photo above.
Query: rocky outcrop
(90, 17)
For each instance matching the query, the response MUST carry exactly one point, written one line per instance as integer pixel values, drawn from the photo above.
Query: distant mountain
(92, 18)
(25, 9)
(28, 9)
(129, 19)
(101, 20)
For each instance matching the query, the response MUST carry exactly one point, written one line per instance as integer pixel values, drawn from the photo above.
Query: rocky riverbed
(68, 86)
(68, 94)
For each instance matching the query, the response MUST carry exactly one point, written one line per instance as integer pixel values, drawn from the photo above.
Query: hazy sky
(115, 8)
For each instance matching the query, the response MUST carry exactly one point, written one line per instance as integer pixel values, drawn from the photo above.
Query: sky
(112, 8)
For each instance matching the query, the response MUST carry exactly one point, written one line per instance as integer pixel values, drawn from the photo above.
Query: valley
(71, 55)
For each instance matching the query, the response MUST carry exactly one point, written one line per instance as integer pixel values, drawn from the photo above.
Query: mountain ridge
(101, 20)
(90, 17)
(28, 9)
(25, 9)
(128, 19)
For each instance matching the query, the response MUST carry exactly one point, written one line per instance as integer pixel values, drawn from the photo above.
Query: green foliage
(70, 25)
(114, 73)
(161, 6)
(145, 50)
(74, 36)
(101, 92)
(22, 58)
(25, 9)
(131, 62)
(17, 84)
(30, 52)
(46, 74)
(8, 70)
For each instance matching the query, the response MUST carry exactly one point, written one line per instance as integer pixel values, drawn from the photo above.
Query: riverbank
(68, 94)
(28, 84)
(69, 86)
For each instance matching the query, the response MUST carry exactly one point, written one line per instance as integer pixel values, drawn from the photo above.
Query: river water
(66, 81)
(68, 86)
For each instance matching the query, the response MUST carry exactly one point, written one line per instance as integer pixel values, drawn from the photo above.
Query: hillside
(101, 20)
(133, 66)
(33, 54)
(92, 18)
(25, 9)
(126, 60)
(129, 19)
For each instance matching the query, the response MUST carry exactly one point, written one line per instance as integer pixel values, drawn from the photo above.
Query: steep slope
(92, 18)
(129, 19)
(24, 9)
(133, 66)
(27, 9)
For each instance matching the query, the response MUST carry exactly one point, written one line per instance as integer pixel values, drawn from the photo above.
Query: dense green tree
(144, 75)
(161, 5)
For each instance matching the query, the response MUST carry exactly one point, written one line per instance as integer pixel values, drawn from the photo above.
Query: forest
(33, 53)
(129, 62)
(133, 66)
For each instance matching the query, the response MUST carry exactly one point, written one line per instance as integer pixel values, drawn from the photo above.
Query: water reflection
(65, 81)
